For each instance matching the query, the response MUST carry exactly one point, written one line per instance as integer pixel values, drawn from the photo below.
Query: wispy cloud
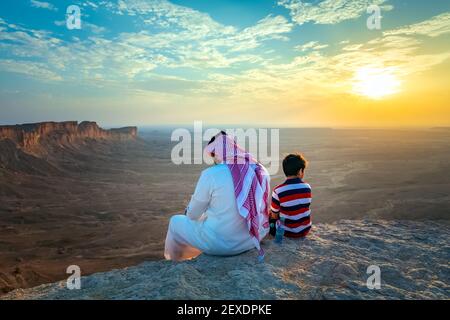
(43, 5)
(85, 25)
(29, 68)
(433, 27)
(186, 39)
(312, 45)
(160, 55)
(320, 75)
(220, 59)
(328, 11)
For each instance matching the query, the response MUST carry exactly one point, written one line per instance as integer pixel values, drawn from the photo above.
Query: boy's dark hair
(293, 163)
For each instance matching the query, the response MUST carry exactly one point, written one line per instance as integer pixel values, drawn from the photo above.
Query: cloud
(92, 4)
(93, 27)
(433, 27)
(29, 68)
(85, 25)
(188, 38)
(312, 45)
(210, 59)
(328, 11)
(196, 25)
(353, 47)
(268, 28)
(316, 76)
(167, 15)
(193, 39)
(43, 5)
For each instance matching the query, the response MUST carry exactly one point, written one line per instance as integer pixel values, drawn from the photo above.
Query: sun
(375, 83)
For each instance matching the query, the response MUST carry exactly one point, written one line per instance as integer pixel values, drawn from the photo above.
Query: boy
(292, 198)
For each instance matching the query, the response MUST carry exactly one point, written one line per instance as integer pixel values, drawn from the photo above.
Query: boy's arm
(275, 206)
(274, 212)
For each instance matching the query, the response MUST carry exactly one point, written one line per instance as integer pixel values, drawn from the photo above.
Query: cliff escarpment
(48, 147)
(30, 136)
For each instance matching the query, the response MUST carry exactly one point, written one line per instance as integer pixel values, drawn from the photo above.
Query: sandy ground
(110, 206)
(330, 264)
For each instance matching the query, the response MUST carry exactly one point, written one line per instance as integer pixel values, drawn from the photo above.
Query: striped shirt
(291, 200)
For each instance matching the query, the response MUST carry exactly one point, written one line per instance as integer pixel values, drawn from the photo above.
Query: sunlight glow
(375, 83)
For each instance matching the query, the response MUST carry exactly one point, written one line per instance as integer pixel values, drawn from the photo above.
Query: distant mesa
(28, 136)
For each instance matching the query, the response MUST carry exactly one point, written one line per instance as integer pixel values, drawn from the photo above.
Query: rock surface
(330, 264)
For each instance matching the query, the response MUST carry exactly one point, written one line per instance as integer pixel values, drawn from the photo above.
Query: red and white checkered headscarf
(251, 184)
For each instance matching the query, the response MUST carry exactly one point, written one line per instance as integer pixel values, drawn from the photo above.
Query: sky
(281, 63)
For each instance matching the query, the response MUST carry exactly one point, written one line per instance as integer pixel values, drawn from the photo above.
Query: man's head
(217, 135)
(216, 161)
(294, 165)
